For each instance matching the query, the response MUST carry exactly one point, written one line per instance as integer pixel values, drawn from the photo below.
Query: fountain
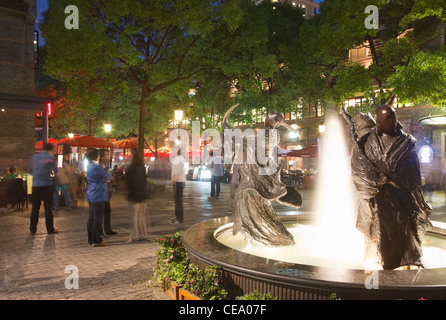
(327, 255)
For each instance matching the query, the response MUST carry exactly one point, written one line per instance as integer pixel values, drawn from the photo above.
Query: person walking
(216, 175)
(137, 186)
(65, 188)
(103, 161)
(178, 179)
(43, 166)
(97, 196)
(238, 161)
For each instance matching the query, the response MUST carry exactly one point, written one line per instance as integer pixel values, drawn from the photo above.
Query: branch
(390, 98)
(373, 50)
(175, 80)
(185, 53)
(161, 44)
(132, 72)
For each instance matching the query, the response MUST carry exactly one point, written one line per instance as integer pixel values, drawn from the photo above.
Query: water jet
(328, 253)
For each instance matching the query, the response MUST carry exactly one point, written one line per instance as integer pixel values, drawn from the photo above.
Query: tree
(398, 50)
(255, 70)
(156, 43)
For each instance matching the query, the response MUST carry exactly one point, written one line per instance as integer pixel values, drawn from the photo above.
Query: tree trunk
(142, 120)
(156, 149)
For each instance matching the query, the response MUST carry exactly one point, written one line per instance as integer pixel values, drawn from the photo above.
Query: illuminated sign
(426, 154)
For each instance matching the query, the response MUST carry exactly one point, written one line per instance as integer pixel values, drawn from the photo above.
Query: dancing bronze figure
(393, 214)
(254, 216)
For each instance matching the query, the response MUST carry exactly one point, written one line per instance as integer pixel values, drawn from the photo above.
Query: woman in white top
(178, 179)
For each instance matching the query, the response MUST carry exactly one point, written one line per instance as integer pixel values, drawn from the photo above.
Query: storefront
(432, 147)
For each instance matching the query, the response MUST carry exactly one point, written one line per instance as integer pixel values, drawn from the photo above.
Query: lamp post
(107, 129)
(178, 118)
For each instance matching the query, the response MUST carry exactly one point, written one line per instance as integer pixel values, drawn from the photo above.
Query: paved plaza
(34, 267)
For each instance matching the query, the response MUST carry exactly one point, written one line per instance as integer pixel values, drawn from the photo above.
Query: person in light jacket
(178, 179)
(97, 197)
(216, 167)
(43, 167)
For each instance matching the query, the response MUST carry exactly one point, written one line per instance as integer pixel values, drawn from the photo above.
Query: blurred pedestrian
(443, 184)
(216, 167)
(5, 173)
(104, 161)
(178, 179)
(137, 187)
(73, 188)
(115, 178)
(97, 197)
(64, 187)
(13, 173)
(238, 161)
(43, 166)
(433, 182)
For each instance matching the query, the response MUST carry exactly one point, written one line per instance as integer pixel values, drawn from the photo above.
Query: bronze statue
(393, 214)
(254, 216)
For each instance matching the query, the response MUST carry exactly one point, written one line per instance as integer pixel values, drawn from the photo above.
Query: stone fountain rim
(201, 242)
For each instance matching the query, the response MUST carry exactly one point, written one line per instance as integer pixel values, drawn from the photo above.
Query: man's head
(48, 147)
(92, 154)
(386, 121)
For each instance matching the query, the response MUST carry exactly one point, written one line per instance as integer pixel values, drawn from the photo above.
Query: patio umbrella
(283, 152)
(308, 152)
(87, 141)
(126, 143)
(39, 144)
(163, 152)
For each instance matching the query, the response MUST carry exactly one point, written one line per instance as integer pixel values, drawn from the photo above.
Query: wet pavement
(34, 267)
(40, 267)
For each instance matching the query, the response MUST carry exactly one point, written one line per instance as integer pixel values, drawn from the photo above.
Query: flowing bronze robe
(254, 216)
(393, 213)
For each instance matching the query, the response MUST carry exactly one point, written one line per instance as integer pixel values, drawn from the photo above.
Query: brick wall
(17, 131)
(17, 50)
(16, 138)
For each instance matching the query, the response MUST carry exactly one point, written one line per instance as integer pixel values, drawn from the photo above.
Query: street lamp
(71, 135)
(178, 116)
(107, 128)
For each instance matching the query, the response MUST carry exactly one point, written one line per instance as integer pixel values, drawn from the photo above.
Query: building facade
(425, 122)
(308, 6)
(18, 103)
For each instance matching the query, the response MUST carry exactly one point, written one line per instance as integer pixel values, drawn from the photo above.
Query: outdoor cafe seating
(292, 178)
(13, 193)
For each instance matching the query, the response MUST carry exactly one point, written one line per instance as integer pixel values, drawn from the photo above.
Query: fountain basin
(297, 281)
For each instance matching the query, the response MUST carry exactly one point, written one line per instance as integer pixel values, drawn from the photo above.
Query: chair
(3, 193)
(12, 191)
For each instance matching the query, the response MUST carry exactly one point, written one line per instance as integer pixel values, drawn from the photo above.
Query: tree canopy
(134, 62)
(399, 50)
